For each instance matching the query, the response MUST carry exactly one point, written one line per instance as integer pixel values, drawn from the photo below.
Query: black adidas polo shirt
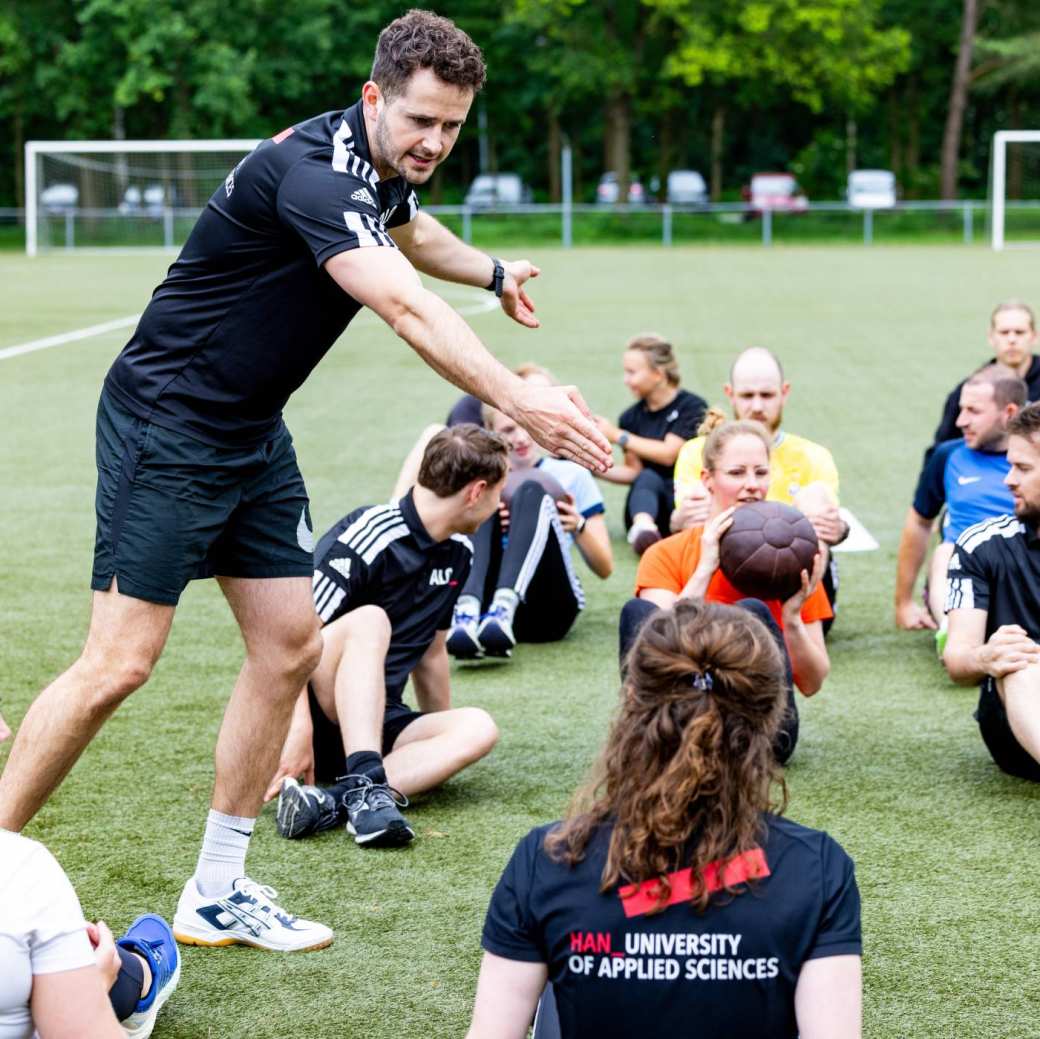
(247, 309)
(996, 568)
(620, 969)
(382, 555)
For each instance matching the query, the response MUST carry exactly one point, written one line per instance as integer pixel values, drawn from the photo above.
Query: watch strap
(497, 278)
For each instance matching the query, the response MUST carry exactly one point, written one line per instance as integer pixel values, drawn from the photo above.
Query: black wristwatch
(498, 278)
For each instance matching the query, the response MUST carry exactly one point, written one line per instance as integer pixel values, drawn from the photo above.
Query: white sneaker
(247, 914)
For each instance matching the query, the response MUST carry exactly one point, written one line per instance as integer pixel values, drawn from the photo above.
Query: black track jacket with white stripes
(247, 309)
(996, 568)
(382, 555)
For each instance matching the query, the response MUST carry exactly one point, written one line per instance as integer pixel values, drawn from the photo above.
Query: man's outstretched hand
(559, 419)
(515, 301)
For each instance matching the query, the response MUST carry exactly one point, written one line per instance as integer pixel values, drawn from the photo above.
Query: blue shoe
(496, 631)
(151, 938)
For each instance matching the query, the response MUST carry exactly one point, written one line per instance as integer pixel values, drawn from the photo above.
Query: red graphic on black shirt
(638, 899)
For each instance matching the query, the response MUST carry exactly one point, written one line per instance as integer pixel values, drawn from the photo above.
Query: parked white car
(871, 189)
(687, 188)
(497, 189)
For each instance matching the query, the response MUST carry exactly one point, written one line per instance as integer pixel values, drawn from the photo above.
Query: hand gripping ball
(766, 548)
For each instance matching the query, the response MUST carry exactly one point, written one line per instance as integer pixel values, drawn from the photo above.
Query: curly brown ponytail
(689, 759)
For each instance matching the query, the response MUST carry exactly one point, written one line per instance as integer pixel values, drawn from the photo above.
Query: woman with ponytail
(650, 434)
(674, 900)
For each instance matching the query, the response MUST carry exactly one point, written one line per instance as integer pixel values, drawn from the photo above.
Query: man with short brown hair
(386, 579)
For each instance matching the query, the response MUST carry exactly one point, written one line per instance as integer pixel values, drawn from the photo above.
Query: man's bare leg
(220, 905)
(283, 646)
(1020, 692)
(937, 580)
(350, 681)
(125, 639)
(437, 746)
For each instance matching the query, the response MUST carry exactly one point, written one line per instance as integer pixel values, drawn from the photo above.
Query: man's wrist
(498, 277)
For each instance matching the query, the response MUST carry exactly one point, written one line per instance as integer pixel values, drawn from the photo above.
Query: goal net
(1014, 194)
(131, 194)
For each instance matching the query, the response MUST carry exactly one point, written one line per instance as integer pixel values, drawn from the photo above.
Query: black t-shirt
(947, 428)
(382, 555)
(466, 409)
(682, 416)
(996, 568)
(730, 972)
(247, 309)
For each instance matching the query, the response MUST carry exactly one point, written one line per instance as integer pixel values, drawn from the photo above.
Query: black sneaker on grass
(305, 809)
(372, 814)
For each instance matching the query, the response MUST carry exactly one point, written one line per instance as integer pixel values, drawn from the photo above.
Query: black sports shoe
(305, 809)
(372, 815)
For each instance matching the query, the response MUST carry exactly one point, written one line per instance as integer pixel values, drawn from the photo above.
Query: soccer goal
(1015, 189)
(130, 194)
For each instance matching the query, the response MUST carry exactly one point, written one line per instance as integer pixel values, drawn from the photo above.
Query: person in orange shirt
(686, 566)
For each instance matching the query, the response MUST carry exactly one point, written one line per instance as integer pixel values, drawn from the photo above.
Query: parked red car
(775, 191)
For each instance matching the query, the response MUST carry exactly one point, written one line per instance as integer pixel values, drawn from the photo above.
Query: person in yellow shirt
(802, 473)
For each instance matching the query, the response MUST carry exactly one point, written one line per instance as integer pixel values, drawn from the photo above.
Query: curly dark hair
(688, 767)
(424, 40)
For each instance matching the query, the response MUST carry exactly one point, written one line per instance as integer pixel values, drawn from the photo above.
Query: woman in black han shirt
(672, 901)
(650, 433)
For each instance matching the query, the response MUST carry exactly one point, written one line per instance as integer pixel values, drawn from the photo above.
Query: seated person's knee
(369, 622)
(481, 731)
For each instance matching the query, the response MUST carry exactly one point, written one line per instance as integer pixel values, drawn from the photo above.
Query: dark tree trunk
(913, 138)
(951, 143)
(618, 140)
(1015, 165)
(895, 137)
(850, 142)
(18, 133)
(718, 138)
(665, 152)
(555, 148)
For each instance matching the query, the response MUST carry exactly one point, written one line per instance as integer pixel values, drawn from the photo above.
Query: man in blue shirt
(966, 476)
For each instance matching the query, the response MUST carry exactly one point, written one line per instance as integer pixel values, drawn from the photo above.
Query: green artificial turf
(889, 760)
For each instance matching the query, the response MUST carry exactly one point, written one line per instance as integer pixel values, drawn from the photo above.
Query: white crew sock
(223, 857)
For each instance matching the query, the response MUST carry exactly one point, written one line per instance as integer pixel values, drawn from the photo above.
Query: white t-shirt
(577, 481)
(42, 930)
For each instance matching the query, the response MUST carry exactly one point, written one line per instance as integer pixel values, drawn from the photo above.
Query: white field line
(474, 305)
(68, 337)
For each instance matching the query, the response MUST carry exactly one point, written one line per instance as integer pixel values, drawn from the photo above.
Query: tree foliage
(639, 85)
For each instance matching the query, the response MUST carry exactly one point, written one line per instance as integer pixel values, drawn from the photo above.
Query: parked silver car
(497, 189)
(686, 188)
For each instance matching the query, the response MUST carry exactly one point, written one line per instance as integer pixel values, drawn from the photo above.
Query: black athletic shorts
(1004, 748)
(329, 758)
(171, 508)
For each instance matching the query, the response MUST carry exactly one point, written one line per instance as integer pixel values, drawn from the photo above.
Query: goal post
(999, 203)
(121, 193)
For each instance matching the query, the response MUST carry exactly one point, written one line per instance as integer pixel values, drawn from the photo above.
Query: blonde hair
(1013, 304)
(658, 353)
(720, 433)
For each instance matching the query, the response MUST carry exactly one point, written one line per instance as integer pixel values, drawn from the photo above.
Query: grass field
(889, 761)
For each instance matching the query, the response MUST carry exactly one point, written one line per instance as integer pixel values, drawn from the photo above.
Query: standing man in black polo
(993, 605)
(197, 476)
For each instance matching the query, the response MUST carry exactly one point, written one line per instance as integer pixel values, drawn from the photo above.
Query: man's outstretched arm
(434, 250)
(556, 416)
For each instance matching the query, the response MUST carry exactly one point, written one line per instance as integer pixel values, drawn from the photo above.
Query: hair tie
(702, 681)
